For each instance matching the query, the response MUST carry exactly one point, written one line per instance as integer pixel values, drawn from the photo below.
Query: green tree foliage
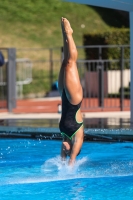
(112, 37)
(38, 21)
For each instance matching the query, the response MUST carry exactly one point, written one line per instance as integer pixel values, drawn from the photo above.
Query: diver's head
(68, 146)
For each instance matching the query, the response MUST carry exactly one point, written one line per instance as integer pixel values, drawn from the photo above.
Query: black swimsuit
(68, 124)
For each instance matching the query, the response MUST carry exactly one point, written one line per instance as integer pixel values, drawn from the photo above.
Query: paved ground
(51, 105)
(91, 134)
(121, 114)
(47, 108)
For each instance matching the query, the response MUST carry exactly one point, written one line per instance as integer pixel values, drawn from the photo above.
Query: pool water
(32, 169)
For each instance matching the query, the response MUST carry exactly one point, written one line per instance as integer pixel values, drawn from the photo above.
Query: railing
(104, 89)
(45, 68)
(105, 82)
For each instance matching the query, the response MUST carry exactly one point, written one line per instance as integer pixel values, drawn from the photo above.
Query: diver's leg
(71, 77)
(65, 52)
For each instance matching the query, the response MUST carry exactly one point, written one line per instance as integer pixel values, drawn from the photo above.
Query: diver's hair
(65, 139)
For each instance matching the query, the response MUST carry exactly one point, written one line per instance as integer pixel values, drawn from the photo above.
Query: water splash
(55, 170)
(55, 165)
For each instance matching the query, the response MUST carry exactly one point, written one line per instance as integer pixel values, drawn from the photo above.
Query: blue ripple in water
(32, 169)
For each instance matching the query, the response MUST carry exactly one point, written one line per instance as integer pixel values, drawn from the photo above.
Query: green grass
(36, 23)
(39, 84)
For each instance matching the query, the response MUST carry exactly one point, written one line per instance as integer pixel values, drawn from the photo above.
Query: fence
(44, 71)
(104, 89)
(105, 82)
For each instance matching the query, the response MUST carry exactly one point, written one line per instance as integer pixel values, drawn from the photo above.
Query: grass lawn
(36, 23)
(31, 23)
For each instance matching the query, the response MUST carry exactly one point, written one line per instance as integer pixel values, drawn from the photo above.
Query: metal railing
(104, 88)
(45, 68)
(105, 82)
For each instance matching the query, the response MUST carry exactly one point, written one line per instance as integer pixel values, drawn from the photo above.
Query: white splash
(62, 167)
(55, 170)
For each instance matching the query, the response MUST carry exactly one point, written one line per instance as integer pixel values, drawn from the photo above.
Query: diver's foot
(63, 30)
(66, 26)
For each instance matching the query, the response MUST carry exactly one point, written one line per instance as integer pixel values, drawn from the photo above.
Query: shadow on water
(113, 18)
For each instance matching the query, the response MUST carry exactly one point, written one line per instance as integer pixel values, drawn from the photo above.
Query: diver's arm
(75, 150)
(78, 141)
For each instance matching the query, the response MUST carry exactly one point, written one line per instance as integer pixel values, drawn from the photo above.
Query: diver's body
(71, 123)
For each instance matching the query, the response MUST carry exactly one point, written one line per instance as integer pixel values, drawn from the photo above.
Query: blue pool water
(31, 169)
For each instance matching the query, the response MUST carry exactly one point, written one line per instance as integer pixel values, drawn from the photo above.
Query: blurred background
(31, 43)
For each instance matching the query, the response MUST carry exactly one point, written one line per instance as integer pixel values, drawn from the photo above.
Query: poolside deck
(47, 108)
(50, 105)
(105, 135)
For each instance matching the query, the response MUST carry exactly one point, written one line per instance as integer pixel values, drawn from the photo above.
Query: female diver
(71, 123)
